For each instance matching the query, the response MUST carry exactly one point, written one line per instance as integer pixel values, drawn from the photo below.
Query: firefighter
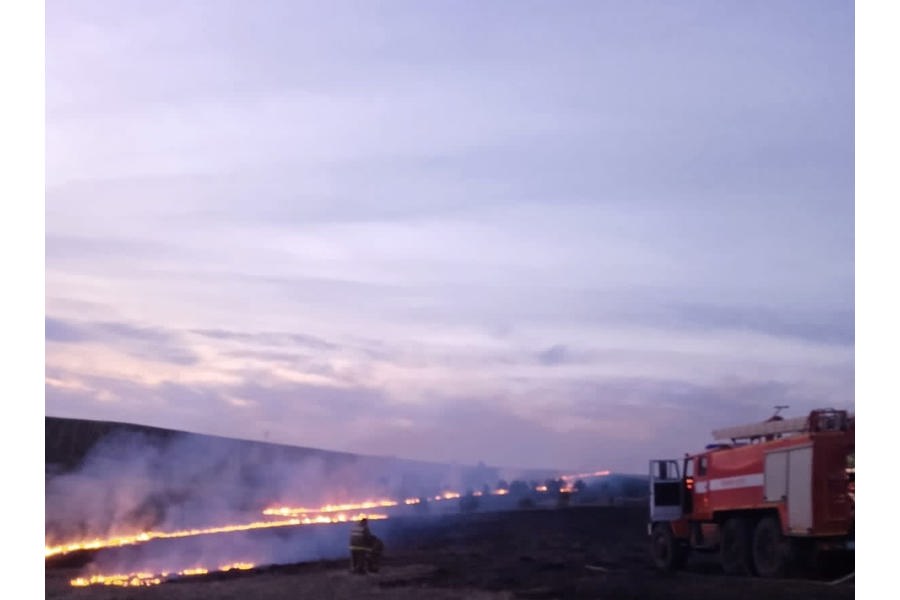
(365, 549)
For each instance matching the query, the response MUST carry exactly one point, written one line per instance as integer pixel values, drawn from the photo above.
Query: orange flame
(150, 535)
(145, 579)
(585, 475)
(131, 580)
(286, 511)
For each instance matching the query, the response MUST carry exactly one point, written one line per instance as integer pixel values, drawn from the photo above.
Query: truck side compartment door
(788, 478)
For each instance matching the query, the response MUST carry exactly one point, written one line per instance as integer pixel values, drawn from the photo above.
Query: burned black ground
(577, 552)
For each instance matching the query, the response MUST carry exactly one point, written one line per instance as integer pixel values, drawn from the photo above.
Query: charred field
(573, 552)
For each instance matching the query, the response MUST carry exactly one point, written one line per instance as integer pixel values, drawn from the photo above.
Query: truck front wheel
(668, 552)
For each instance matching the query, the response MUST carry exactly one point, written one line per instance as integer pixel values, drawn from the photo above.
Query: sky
(563, 235)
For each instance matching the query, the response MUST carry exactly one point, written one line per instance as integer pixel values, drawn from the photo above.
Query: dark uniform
(365, 548)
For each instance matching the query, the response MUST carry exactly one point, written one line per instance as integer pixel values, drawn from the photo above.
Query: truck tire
(771, 551)
(667, 551)
(735, 547)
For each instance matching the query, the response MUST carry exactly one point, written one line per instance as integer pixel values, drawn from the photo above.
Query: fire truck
(765, 496)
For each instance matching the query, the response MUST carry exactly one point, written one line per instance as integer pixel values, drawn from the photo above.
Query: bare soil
(576, 552)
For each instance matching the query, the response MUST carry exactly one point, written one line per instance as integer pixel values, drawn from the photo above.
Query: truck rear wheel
(667, 551)
(771, 552)
(735, 547)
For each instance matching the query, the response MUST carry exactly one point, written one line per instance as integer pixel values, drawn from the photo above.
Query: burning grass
(296, 516)
(97, 544)
(147, 579)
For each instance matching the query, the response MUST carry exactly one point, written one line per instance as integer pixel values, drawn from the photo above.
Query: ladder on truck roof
(818, 420)
(757, 430)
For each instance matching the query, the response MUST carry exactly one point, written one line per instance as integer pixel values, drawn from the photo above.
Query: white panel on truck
(776, 486)
(800, 489)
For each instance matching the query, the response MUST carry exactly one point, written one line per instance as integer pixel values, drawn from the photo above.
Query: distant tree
(468, 502)
(502, 485)
(553, 486)
(486, 490)
(580, 486)
(519, 489)
(477, 476)
(422, 505)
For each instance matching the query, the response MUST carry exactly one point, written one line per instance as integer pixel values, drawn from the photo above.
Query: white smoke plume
(131, 482)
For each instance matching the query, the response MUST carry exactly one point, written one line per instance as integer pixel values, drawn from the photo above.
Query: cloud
(553, 215)
(608, 423)
(554, 355)
(826, 326)
(268, 338)
(56, 330)
(507, 413)
(151, 343)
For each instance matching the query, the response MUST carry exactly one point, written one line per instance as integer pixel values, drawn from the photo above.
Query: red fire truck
(764, 496)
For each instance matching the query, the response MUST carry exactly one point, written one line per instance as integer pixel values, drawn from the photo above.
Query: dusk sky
(544, 234)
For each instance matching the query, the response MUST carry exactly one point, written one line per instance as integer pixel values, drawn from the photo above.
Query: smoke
(132, 482)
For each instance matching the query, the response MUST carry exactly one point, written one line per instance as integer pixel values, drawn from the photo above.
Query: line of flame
(287, 511)
(585, 475)
(151, 535)
(299, 517)
(290, 511)
(146, 579)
